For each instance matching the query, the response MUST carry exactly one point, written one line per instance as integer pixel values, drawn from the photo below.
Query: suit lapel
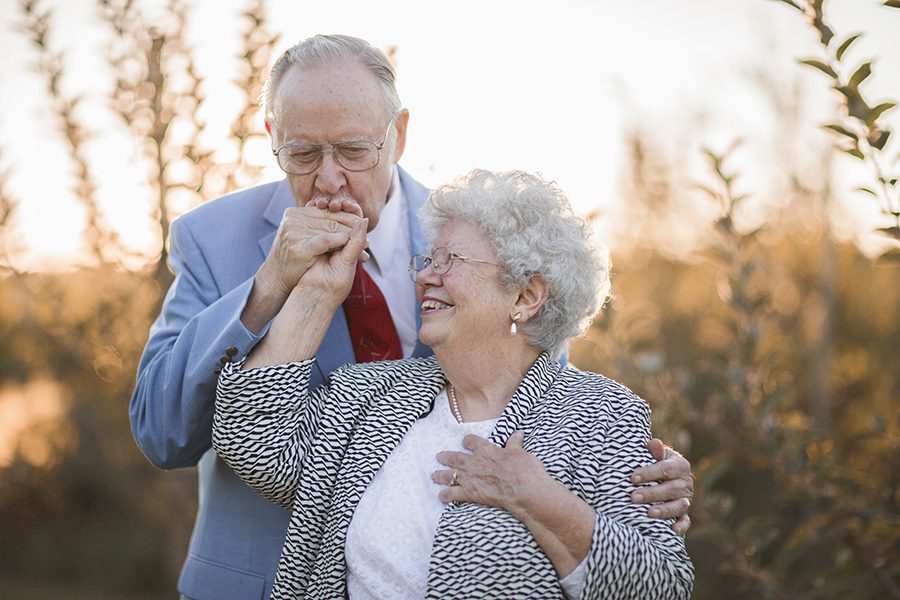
(529, 396)
(389, 417)
(281, 200)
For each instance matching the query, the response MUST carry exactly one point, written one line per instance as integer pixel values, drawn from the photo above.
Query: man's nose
(330, 176)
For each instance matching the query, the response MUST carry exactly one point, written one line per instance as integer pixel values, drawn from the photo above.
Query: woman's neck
(484, 381)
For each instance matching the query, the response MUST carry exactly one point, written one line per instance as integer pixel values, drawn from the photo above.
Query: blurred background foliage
(770, 351)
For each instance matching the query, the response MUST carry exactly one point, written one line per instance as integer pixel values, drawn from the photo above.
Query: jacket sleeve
(197, 331)
(631, 555)
(265, 421)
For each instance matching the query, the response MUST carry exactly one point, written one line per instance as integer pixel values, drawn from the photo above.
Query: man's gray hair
(533, 231)
(323, 49)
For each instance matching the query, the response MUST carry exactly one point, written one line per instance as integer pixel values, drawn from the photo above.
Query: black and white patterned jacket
(315, 453)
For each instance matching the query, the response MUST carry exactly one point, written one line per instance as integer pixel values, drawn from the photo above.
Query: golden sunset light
(738, 159)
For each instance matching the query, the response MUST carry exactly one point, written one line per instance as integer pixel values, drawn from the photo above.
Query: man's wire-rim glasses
(441, 261)
(355, 155)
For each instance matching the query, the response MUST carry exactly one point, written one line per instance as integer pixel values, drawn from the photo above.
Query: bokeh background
(750, 203)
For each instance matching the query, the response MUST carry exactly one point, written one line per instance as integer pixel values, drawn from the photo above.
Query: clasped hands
(317, 246)
(509, 477)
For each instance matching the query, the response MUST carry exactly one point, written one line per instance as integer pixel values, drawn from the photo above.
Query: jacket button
(231, 351)
(217, 370)
(224, 359)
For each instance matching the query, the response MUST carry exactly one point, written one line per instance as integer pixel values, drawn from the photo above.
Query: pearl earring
(513, 329)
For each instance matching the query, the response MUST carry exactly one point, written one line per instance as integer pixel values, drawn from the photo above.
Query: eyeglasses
(441, 260)
(357, 155)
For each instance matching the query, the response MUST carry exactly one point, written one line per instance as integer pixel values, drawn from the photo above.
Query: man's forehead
(315, 131)
(330, 104)
(342, 82)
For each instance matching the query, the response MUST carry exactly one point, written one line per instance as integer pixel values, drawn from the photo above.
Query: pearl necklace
(454, 403)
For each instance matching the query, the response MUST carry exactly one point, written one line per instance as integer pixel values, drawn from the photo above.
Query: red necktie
(369, 321)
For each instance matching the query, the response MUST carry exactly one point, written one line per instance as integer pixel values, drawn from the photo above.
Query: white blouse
(392, 530)
(390, 536)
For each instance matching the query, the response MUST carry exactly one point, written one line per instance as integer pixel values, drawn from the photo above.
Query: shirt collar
(389, 232)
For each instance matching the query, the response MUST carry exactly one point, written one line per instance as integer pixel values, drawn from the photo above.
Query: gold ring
(453, 481)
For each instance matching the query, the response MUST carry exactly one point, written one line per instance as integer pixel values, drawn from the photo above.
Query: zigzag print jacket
(315, 452)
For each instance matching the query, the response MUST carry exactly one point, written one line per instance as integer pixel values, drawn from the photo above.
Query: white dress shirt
(391, 248)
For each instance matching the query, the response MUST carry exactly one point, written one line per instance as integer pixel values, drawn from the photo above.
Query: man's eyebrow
(351, 140)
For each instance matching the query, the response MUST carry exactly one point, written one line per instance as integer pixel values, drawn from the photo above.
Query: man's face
(338, 102)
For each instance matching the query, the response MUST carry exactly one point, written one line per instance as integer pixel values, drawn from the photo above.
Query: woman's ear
(531, 297)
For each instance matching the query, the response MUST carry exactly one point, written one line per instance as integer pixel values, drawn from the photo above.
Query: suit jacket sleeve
(198, 328)
(631, 555)
(265, 422)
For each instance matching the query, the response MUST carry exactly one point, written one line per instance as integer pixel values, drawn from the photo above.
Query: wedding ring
(453, 481)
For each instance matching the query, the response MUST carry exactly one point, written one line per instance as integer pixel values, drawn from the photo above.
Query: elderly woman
(486, 471)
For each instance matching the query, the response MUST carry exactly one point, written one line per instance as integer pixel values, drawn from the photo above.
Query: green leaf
(860, 74)
(877, 112)
(818, 64)
(839, 53)
(855, 105)
(841, 130)
(855, 152)
(714, 158)
(867, 191)
(825, 32)
(877, 139)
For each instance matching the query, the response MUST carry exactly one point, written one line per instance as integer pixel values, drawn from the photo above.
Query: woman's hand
(490, 475)
(330, 276)
(511, 478)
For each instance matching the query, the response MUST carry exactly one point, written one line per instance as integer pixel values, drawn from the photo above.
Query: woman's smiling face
(466, 304)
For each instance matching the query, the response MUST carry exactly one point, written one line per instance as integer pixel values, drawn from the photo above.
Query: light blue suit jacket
(215, 252)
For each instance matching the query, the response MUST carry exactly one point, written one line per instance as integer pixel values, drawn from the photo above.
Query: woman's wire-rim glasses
(441, 261)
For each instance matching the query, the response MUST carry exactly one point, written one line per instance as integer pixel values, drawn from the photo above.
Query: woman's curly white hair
(533, 231)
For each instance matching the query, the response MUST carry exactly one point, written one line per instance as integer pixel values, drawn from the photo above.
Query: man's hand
(300, 326)
(303, 236)
(674, 491)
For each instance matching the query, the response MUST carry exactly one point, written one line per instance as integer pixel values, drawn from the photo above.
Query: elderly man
(338, 130)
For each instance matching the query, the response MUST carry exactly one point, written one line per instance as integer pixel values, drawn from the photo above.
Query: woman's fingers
(356, 245)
